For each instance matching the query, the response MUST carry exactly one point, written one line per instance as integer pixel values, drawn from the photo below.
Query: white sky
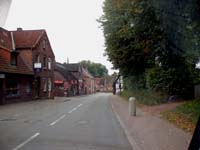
(71, 26)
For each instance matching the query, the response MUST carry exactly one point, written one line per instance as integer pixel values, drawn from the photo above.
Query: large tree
(152, 42)
(96, 69)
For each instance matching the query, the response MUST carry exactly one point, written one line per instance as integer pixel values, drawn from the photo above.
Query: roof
(73, 67)
(58, 76)
(65, 71)
(27, 38)
(5, 39)
(86, 73)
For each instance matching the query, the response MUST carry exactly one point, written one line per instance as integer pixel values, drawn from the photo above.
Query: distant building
(4, 9)
(65, 83)
(89, 82)
(85, 81)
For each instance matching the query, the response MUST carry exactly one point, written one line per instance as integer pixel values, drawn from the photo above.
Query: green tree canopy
(96, 69)
(153, 44)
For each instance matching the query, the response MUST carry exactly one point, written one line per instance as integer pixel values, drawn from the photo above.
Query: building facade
(35, 46)
(26, 65)
(16, 79)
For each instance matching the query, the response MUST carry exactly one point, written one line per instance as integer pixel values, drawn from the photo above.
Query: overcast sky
(71, 26)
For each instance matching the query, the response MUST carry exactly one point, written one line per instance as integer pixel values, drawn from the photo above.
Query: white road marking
(79, 105)
(75, 108)
(53, 123)
(26, 142)
(72, 110)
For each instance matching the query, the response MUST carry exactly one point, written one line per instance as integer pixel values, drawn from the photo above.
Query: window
(44, 62)
(28, 88)
(13, 59)
(49, 84)
(44, 85)
(38, 58)
(49, 63)
(12, 88)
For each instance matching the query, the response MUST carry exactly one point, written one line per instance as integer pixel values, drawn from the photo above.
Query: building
(65, 83)
(16, 78)
(78, 83)
(85, 81)
(99, 84)
(35, 46)
(89, 82)
(28, 53)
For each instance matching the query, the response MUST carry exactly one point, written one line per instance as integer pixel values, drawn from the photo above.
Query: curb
(134, 145)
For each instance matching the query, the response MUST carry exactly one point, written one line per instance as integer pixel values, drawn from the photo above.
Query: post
(132, 106)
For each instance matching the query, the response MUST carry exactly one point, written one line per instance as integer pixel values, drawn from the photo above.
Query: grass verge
(185, 116)
(145, 97)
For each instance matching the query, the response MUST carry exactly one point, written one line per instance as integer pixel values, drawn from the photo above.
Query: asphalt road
(81, 123)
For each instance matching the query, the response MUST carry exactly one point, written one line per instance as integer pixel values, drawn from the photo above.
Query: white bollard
(132, 106)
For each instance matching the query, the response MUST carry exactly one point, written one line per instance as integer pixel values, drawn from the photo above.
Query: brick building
(34, 45)
(29, 53)
(89, 82)
(68, 79)
(77, 84)
(15, 77)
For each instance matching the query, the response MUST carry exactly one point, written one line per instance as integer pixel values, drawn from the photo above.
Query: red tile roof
(5, 39)
(27, 38)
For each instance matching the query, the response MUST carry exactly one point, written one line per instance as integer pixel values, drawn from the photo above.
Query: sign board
(2, 76)
(37, 65)
(59, 81)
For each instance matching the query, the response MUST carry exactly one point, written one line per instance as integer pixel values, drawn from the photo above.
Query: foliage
(146, 97)
(179, 120)
(190, 109)
(152, 44)
(132, 32)
(174, 81)
(185, 116)
(96, 69)
(134, 82)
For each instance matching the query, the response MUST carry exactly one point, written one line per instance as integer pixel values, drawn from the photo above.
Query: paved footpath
(147, 131)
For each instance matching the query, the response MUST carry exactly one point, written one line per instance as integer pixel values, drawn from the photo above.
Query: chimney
(19, 29)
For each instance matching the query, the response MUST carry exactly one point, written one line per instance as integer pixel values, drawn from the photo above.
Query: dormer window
(13, 58)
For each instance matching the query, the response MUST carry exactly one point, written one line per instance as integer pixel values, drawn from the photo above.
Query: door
(1, 92)
(37, 87)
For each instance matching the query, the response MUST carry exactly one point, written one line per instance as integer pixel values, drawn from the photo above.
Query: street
(78, 123)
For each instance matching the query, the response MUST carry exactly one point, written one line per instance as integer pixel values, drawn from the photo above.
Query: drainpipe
(13, 42)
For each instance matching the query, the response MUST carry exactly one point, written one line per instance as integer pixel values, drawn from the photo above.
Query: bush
(146, 97)
(173, 81)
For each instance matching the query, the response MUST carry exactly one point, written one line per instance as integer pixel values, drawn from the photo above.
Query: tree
(150, 46)
(96, 69)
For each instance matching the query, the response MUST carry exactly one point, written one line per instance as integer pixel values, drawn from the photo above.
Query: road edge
(134, 145)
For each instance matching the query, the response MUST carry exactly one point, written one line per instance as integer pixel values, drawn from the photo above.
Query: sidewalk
(147, 131)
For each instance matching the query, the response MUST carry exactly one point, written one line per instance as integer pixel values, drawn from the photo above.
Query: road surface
(79, 123)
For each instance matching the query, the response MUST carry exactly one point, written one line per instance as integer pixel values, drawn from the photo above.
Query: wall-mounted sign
(2, 76)
(37, 65)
